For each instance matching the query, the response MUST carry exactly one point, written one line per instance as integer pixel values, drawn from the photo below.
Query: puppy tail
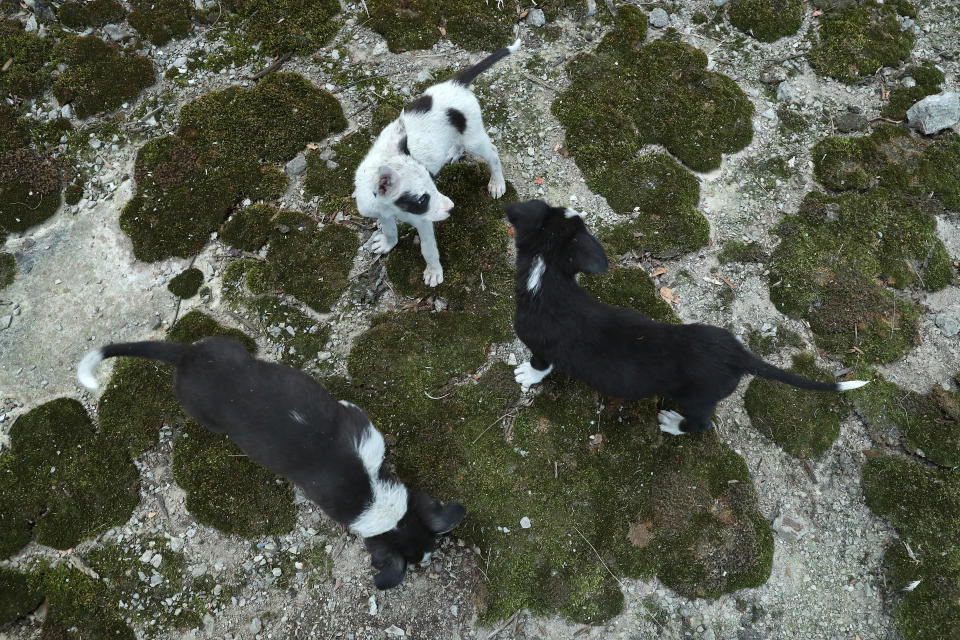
(163, 351)
(467, 76)
(766, 370)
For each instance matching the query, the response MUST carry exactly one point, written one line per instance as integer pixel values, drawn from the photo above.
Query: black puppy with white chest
(619, 352)
(288, 423)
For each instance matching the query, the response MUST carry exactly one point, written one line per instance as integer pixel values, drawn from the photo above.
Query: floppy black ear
(586, 254)
(438, 517)
(390, 566)
(526, 214)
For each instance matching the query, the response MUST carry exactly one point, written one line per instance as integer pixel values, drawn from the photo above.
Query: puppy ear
(587, 254)
(387, 180)
(526, 213)
(438, 517)
(390, 566)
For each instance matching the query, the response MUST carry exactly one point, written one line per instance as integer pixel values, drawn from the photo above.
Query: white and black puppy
(288, 423)
(395, 180)
(619, 352)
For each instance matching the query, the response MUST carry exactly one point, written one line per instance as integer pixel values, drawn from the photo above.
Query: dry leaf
(817, 12)
(523, 14)
(658, 272)
(538, 180)
(639, 533)
(667, 294)
(8, 64)
(313, 146)
(443, 32)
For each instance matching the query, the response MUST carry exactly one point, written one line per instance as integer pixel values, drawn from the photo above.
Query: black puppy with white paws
(288, 423)
(619, 352)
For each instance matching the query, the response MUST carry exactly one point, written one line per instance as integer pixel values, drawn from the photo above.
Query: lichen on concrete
(61, 481)
(803, 423)
(414, 24)
(225, 489)
(160, 21)
(186, 283)
(767, 20)
(474, 246)
(100, 76)
(923, 567)
(856, 40)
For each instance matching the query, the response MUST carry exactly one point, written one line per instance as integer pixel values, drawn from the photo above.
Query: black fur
(287, 422)
(404, 149)
(422, 104)
(467, 76)
(457, 119)
(417, 205)
(619, 351)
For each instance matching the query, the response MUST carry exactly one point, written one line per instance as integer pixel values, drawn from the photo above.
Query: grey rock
(659, 18)
(851, 122)
(208, 621)
(908, 82)
(785, 92)
(789, 527)
(536, 18)
(66, 111)
(423, 76)
(769, 114)
(949, 325)
(332, 164)
(115, 32)
(5, 321)
(155, 579)
(296, 166)
(719, 3)
(31, 25)
(773, 74)
(181, 62)
(935, 113)
(256, 626)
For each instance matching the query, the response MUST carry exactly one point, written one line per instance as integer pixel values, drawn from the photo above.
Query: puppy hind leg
(478, 143)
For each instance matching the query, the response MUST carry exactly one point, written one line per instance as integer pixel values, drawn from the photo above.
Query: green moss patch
(100, 76)
(196, 325)
(287, 26)
(625, 96)
(767, 20)
(803, 423)
(226, 490)
(632, 288)
(160, 21)
(73, 193)
(924, 505)
(478, 274)
(928, 80)
(8, 269)
(737, 251)
(662, 197)
(687, 513)
(186, 283)
(930, 422)
(90, 14)
(17, 599)
(29, 190)
(857, 39)
(187, 184)
(833, 252)
(765, 342)
(248, 229)
(62, 481)
(29, 74)
(414, 24)
(334, 184)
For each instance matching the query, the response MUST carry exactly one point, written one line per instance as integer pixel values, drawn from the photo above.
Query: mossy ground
(413, 24)
(17, 599)
(803, 423)
(856, 40)
(249, 229)
(100, 76)
(287, 26)
(923, 504)
(186, 283)
(29, 190)
(765, 343)
(929, 423)
(767, 20)
(334, 186)
(62, 481)
(90, 14)
(225, 489)
(8, 268)
(474, 250)
(631, 288)
(661, 198)
(737, 251)
(29, 73)
(160, 21)
(187, 184)
(561, 463)
(928, 79)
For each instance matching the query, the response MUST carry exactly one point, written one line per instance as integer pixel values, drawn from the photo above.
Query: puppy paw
(528, 376)
(433, 276)
(670, 422)
(379, 243)
(497, 187)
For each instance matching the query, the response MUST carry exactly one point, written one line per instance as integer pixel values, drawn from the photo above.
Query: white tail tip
(86, 370)
(851, 384)
(516, 45)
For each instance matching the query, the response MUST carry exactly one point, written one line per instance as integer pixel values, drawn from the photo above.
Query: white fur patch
(516, 45)
(347, 403)
(389, 498)
(570, 213)
(297, 416)
(536, 273)
(527, 375)
(86, 370)
(670, 422)
(851, 384)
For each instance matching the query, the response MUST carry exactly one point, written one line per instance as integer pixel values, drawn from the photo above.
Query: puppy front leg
(530, 373)
(478, 143)
(385, 239)
(433, 274)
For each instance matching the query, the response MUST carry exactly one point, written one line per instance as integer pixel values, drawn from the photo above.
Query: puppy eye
(422, 200)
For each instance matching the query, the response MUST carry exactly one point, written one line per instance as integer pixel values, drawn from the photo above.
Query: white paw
(528, 376)
(379, 243)
(497, 187)
(433, 276)
(670, 422)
